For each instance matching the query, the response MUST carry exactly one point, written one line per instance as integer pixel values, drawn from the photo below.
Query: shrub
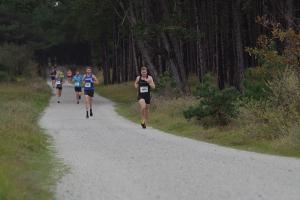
(216, 107)
(166, 85)
(255, 85)
(3, 74)
(15, 61)
(278, 114)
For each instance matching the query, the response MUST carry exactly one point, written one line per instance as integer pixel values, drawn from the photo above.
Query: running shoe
(143, 124)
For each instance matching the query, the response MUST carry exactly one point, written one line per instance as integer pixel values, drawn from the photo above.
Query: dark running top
(88, 82)
(144, 87)
(53, 73)
(59, 82)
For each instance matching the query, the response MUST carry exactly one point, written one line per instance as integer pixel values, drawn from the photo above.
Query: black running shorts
(59, 87)
(89, 93)
(147, 98)
(78, 89)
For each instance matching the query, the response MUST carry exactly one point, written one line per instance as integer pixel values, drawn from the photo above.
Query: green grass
(26, 161)
(120, 93)
(166, 115)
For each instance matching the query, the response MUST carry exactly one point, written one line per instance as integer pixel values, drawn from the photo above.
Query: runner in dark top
(53, 76)
(59, 84)
(144, 83)
(89, 80)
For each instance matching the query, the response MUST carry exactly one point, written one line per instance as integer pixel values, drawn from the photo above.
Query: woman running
(89, 80)
(77, 79)
(53, 76)
(144, 83)
(59, 83)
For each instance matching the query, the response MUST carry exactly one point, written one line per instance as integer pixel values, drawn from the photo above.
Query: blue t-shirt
(77, 80)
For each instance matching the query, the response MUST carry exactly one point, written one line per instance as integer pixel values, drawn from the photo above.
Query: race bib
(58, 82)
(77, 84)
(88, 85)
(144, 89)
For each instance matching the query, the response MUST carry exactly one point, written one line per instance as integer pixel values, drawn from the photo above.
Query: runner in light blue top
(77, 79)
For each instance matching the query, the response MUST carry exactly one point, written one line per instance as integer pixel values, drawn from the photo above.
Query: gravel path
(112, 158)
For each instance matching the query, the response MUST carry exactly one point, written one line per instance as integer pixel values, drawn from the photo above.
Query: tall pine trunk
(239, 50)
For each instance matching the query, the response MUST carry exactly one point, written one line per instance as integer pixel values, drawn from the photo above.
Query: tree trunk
(290, 13)
(239, 71)
(172, 63)
(140, 43)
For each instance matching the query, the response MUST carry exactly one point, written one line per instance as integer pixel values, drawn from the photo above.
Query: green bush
(270, 63)
(15, 61)
(255, 83)
(216, 107)
(166, 85)
(4, 76)
(276, 116)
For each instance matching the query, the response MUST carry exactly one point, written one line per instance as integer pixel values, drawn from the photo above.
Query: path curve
(111, 158)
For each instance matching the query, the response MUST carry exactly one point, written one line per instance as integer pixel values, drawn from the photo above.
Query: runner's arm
(136, 85)
(96, 80)
(151, 82)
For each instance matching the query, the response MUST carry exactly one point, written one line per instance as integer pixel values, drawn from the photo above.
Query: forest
(226, 72)
(239, 58)
(182, 37)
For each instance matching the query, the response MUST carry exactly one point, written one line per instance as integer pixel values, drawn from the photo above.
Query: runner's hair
(145, 68)
(89, 67)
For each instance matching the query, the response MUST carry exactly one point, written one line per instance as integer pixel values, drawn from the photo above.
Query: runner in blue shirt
(77, 79)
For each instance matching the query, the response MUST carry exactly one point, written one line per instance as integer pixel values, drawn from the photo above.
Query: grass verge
(26, 161)
(170, 110)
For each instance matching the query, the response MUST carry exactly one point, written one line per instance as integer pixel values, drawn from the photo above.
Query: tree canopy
(182, 37)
